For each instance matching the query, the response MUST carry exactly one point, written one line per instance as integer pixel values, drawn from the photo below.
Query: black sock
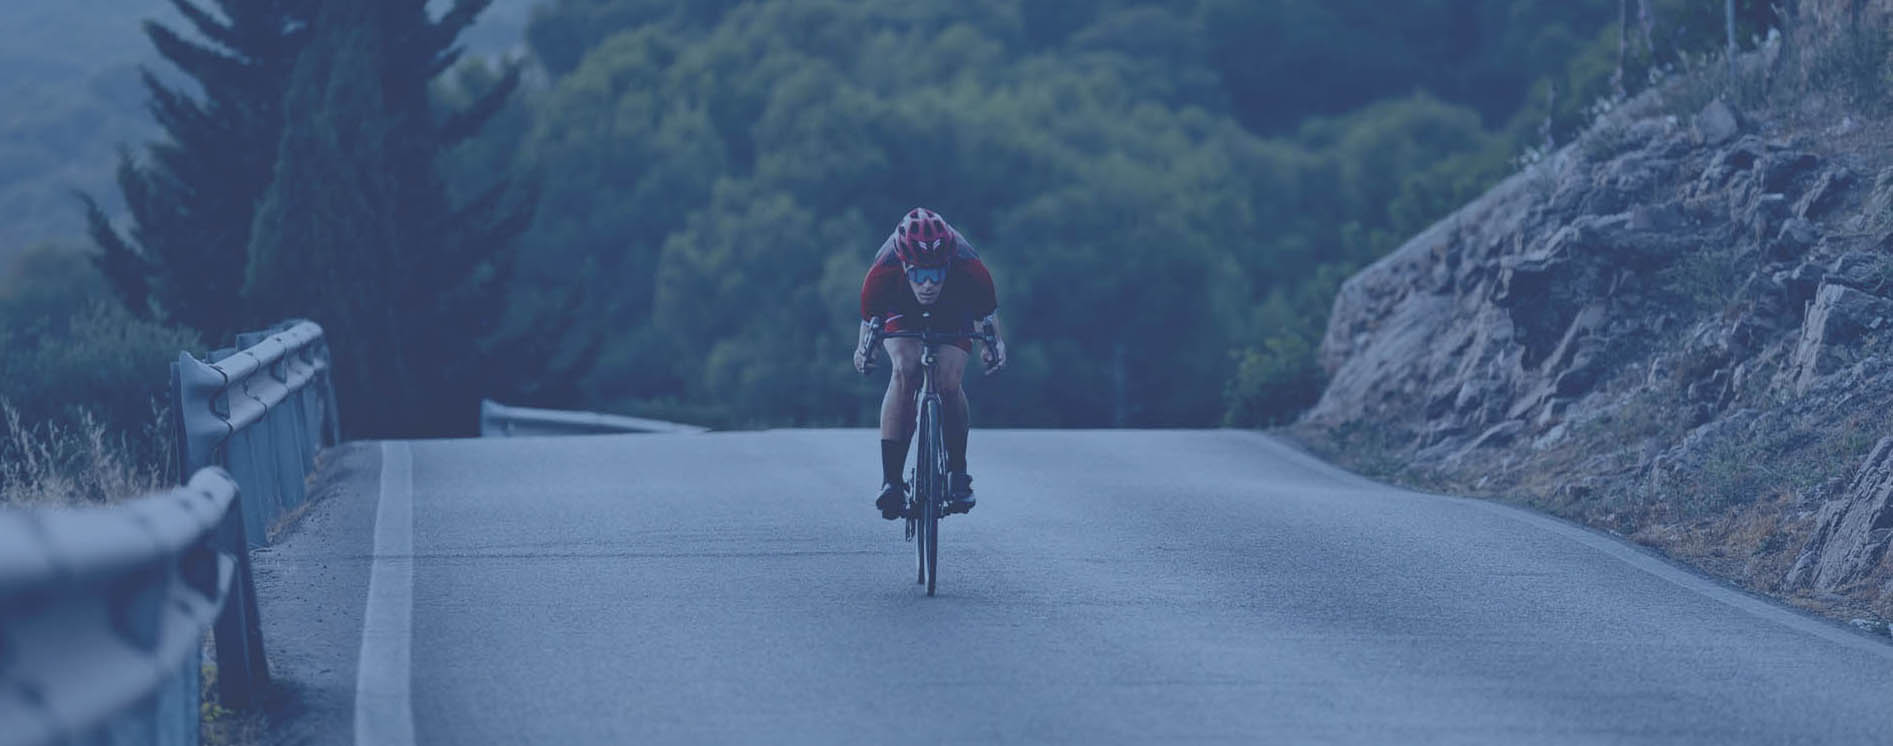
(893, 460)
(956, 451)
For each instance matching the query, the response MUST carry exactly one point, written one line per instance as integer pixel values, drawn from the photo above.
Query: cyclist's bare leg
(949, 371)
(897, 421)
(903, 388)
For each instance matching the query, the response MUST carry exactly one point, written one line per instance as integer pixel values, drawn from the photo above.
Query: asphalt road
(1112, 587)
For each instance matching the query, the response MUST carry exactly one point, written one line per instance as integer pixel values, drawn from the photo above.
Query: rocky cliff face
(1676, 328)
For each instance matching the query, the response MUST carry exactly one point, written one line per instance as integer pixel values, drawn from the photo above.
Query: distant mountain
(69, 76)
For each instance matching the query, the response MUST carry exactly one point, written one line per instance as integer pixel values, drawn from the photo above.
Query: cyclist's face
(926, 282)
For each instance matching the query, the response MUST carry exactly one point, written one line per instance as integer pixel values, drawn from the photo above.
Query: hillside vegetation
(1168, 192)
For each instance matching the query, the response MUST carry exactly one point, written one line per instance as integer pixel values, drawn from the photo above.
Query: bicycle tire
(920, 549)
(932, 461)
(933, 545)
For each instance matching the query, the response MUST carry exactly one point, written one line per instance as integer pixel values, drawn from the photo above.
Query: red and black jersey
(966, 296)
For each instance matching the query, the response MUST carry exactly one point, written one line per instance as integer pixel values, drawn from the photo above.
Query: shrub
(83, 384)
(1273, 384)
(1710, 279)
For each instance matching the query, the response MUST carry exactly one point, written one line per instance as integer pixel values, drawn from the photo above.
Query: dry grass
(1754, 545)
(64, 464)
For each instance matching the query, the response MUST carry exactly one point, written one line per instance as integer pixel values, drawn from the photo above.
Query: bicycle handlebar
(877, 333)
(927, 336)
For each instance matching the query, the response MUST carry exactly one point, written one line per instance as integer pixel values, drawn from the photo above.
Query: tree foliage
(1167, 191)
(358, 231)
(73, 354)
(192, 198)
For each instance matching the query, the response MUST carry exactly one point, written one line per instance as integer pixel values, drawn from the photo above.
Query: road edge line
(384, 711)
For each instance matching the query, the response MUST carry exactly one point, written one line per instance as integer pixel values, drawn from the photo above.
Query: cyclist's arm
(985, 298)
(994, 354)
(874, 304)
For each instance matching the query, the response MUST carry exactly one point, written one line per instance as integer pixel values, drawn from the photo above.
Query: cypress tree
(358, 232)
(193, 199)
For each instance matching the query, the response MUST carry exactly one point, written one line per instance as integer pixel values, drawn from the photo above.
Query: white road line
(384, 715)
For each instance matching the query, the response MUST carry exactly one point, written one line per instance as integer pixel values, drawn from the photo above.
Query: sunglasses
(924, 275)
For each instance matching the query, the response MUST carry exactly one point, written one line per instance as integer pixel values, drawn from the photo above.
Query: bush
(1710, 279)
(84, 385)
(1273, 384)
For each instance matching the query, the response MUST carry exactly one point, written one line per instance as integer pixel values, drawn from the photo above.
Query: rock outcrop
(1850, 537)
(1527, 299)
(1676, 324)
(1836, 322)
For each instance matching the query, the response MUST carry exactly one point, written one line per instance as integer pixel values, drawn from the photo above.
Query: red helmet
(923, 239)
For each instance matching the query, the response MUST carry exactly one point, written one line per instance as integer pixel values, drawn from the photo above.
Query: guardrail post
(266, 484)
(309, 404)
(290, 472)
(243, 461)
(175, 719)
(295, 366)
(242, 671)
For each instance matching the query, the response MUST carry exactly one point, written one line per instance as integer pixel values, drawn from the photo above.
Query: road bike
(927, 500)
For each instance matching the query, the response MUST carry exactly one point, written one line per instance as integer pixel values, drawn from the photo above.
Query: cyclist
(926, 276)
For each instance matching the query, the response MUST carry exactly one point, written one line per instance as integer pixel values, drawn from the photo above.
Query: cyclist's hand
(863, 362)
(994, 355)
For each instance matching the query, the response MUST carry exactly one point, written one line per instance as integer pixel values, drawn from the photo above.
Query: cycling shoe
(892, 500)
(960, 493)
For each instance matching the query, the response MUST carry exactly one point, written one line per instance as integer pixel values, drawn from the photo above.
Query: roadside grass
(218, 726)
(78, 461)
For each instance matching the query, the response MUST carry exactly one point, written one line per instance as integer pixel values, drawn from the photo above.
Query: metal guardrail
(499, 420)
(263, 413)
(103, 613)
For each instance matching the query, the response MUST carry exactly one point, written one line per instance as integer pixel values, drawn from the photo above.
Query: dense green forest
(1168, 194)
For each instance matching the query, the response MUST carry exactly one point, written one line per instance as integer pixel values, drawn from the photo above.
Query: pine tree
(358, 231)
(193, 198)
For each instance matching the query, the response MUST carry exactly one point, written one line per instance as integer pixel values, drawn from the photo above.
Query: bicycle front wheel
(931, 467)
